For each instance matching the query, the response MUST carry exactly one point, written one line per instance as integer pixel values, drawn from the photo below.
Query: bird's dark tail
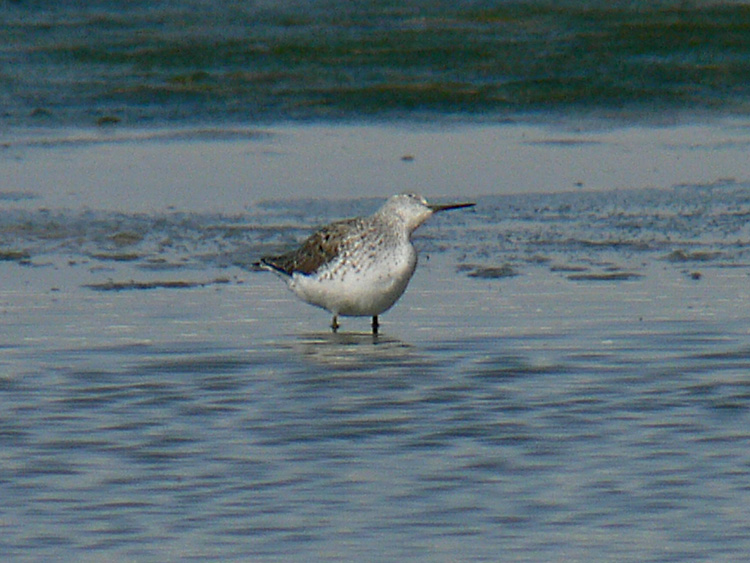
(270, 263)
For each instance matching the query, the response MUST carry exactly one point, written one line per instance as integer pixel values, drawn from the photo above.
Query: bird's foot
(375, 325)
(335, 324)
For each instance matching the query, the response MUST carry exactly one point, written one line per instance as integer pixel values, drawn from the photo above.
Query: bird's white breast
(364, 285)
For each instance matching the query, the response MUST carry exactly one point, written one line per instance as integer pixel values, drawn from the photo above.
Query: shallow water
(522, 403)
(566, 377)
(142, 63)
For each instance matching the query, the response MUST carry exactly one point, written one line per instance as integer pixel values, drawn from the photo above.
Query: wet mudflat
(566, 377)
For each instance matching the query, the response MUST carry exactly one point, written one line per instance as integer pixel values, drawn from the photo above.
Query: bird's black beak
(436, 208)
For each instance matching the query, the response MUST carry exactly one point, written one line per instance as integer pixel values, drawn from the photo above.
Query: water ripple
(209, 423)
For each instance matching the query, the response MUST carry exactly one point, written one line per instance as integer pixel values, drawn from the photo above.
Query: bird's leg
(335, 323)
(375, 325)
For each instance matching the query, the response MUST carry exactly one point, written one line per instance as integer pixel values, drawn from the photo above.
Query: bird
(358, 267)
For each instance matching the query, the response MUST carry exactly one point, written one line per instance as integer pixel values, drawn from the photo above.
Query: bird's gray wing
(318, 250)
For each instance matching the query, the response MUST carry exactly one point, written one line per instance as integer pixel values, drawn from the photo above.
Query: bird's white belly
(352, 292)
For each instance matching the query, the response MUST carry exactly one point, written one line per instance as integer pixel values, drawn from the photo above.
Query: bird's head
(414, 210)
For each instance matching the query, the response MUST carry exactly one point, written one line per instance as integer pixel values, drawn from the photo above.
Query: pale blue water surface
(566, 378)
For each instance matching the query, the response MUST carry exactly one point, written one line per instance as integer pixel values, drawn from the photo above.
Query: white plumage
(361, 266)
